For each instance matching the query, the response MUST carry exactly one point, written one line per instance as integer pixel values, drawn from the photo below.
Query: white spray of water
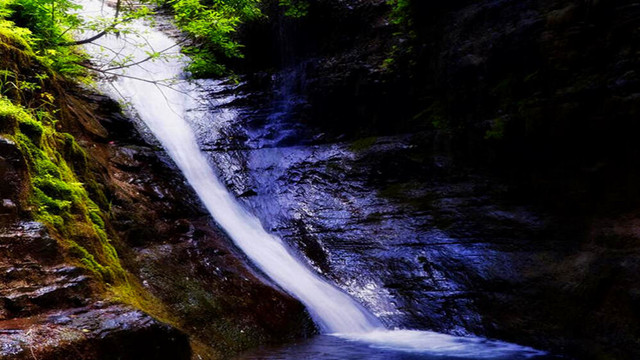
(163, 110)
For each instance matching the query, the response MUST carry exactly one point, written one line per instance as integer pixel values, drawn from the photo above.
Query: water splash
(163, 107)
(436, 344)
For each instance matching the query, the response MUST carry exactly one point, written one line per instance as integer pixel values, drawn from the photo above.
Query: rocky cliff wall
(518, 179)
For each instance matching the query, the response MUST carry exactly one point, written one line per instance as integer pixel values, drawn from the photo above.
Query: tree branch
(145, 59)
(155, 82)
(100, 34)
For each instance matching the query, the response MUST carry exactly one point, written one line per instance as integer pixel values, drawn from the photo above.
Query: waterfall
(163, 108)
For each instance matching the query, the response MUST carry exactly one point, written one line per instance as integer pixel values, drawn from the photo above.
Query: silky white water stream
(164, 111)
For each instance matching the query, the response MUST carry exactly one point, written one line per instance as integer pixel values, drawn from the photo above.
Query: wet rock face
(225, 306)
(414, 240)
(426, 243)
(35, 278)
(510, 209)
(101, 332)
(49, 309)
(13, 171)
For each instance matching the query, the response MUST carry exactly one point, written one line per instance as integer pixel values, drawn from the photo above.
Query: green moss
(73, 153)
(388, 63)
(58, 199)
(97, 193)
(295, 8)
(48, 205)
(400, 12)
(10, 115)
(435, 116)
(55, 188)
(363, 144)
(496, 132)
(16, 37)
(96, 218)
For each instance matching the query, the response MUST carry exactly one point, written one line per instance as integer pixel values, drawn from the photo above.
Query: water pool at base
(327, 347)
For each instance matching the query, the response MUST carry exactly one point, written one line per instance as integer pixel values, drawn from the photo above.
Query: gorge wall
(498, 139)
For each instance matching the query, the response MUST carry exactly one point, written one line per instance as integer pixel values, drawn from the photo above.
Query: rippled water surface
(327, 347)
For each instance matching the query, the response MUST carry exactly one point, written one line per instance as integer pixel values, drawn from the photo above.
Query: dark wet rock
(99, 117)
(248, 193)
(28, 241)
(192, 267)
(100, 332)
(8, 205)
(34, 277)
(128, 158)
(426, 242)
(13, 189)
(215, 297)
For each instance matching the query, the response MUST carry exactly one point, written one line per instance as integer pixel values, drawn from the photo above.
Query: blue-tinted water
(327, 347)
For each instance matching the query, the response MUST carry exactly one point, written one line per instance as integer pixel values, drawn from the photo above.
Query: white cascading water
(163, 109)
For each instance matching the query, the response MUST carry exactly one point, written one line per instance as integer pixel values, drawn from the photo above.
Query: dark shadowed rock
(99, 332)
(14, 185)
(28, 241)
(508, 211)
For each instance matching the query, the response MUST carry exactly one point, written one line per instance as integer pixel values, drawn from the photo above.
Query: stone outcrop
(101, 331)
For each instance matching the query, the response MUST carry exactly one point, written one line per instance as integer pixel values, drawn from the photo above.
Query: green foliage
(401, 56)
(43, 26)
(400, 12)
(436, 115)
(212, 25)
(295, 8)
(45, 19)
(496, 132)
